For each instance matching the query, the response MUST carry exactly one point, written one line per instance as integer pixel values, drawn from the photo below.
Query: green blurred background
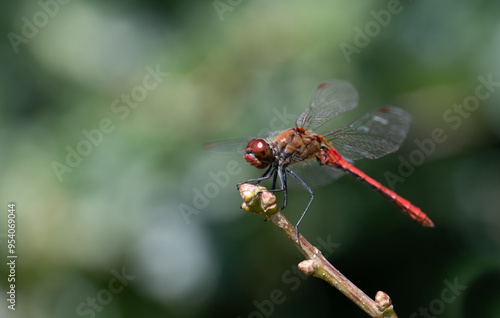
(110, 221)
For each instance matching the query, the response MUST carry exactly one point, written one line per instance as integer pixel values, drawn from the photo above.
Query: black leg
(308, 189)
(274, 181)
(269, 172)
(280, 172)
(282, 175)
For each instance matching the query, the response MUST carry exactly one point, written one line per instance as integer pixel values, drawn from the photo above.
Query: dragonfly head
(258, 153)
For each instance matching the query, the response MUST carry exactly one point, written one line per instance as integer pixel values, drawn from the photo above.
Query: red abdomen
(330, 157)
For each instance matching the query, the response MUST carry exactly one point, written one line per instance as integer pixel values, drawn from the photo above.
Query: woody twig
(258, 200)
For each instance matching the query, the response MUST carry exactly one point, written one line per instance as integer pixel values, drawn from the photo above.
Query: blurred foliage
(233, 67)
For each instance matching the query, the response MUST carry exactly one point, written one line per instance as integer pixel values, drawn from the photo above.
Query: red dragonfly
(373, 135)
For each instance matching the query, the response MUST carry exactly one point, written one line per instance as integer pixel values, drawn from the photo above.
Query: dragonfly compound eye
(258, 153)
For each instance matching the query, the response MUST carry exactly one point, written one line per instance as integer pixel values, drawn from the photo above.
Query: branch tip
(307, 267)
(383, 301)
(258, 200)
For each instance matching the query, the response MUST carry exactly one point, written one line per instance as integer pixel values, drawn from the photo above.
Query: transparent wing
(227, 147)
(236, 146)
(315, 175)
(372, 136)
(330, 99)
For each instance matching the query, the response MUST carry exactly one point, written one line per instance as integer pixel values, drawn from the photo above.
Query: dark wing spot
(322, 85)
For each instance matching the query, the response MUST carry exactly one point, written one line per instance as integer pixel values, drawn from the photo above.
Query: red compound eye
(258, 146)
(258, 153)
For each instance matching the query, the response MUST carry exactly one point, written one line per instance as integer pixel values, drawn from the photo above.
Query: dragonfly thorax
(295, 145)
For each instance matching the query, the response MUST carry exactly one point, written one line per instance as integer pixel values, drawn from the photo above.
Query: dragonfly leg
(274, 181)
(280, 172)
(269, 172)
(308, 189)
(282, 175)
